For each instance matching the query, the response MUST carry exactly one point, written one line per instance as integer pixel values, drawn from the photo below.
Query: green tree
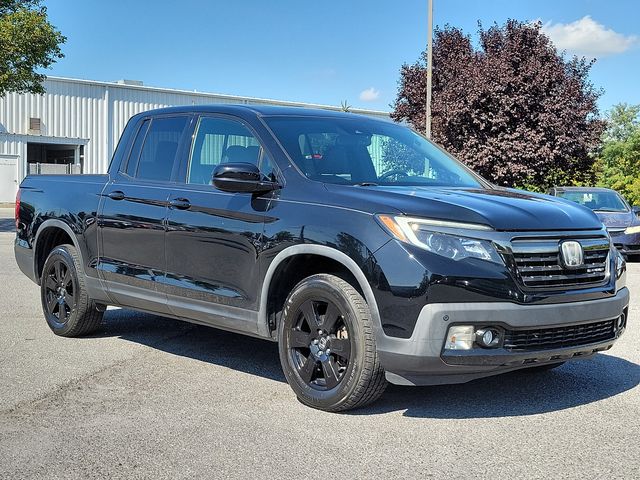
(623, 121)
(618, 165)
(28, 42)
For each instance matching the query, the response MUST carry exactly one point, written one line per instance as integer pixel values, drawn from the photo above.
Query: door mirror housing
(241, 178)
(636, 209)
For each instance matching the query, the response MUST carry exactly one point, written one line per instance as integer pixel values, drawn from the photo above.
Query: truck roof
(262, 110)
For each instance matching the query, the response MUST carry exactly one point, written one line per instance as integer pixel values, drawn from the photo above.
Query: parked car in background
(622, 221)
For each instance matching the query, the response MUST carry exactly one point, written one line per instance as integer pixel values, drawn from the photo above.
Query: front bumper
(627, 245)
(420, 359)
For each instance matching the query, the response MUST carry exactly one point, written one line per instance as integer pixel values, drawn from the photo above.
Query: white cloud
(369, 95)
(588, 37)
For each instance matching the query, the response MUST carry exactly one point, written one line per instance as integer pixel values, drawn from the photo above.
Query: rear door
(133, 213)
(214, 237)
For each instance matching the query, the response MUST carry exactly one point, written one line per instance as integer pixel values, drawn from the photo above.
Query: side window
(219, 140)
(132, 162)
(160, 148)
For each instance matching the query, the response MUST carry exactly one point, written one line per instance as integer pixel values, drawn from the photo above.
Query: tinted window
(362, 150)
(160, 148)
(132, 163)
(220, 140)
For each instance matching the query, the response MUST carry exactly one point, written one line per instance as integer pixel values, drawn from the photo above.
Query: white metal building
(75, 126)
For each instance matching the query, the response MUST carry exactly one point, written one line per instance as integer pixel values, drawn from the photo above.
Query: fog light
(488, 337)
(460, 337)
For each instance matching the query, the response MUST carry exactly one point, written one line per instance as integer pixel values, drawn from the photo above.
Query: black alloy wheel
(319, 345)
(327, 345)
(59, 291)
(65, 300)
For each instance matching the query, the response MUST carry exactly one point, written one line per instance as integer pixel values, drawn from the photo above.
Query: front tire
(327, 345)
(67, 308)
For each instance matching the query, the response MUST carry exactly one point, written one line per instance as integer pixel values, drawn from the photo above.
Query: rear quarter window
(157, 149)
(132, 161)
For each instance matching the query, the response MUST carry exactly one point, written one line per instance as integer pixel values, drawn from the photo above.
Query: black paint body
(148, 249)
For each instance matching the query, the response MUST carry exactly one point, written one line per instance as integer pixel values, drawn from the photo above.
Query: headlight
(423, 233)
(634, 229)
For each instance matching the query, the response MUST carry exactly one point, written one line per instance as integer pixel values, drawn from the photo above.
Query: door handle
(116, 195)
(180, 203)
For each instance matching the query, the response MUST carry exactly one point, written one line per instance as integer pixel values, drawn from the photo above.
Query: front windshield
(599, 201)
(364, 151)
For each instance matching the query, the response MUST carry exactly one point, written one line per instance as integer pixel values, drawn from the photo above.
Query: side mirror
(636, 209)
(241, 178)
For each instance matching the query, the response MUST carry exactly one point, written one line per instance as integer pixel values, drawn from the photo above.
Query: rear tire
(66, 305)
(327, 345)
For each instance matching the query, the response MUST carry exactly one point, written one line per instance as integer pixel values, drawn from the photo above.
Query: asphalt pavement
(149, 397)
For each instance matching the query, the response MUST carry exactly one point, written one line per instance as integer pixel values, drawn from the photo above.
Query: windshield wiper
(365, 184)
(608, 210)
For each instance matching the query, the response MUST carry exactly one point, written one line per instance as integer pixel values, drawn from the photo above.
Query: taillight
(17, 214)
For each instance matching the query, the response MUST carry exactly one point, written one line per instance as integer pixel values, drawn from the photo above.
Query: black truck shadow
(511, 394)
(516, 393)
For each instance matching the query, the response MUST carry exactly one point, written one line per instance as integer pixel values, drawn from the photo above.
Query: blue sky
(319, 51)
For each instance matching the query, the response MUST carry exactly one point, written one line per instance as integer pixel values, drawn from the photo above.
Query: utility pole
(429, 67)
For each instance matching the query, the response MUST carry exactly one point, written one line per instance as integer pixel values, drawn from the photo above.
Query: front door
(213, 237)
(133, 213)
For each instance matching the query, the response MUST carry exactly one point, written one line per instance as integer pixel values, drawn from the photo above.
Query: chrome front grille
(539, 263)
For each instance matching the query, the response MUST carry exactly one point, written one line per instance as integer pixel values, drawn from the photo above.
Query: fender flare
(52, 222)
(323, 251)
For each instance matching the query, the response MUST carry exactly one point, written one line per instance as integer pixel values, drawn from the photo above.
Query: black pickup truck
(368, 253)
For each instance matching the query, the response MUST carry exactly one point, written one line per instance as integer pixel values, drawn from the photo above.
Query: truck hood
(502, 209)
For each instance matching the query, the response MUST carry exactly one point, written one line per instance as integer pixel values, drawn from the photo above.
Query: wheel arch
(49, 236)
(320, 251)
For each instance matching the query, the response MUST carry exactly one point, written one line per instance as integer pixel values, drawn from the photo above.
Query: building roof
(241, 100)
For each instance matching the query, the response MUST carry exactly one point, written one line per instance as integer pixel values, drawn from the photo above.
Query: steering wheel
(395, 171)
